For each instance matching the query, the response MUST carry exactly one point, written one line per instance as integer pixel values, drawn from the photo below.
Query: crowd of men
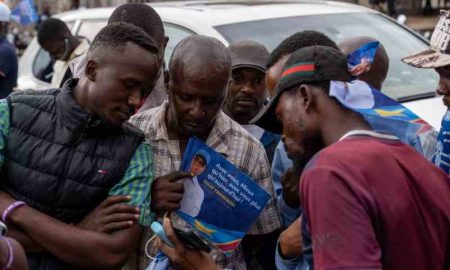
(88, 165)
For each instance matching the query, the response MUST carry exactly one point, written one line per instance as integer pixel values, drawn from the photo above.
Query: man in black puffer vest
(64, 151)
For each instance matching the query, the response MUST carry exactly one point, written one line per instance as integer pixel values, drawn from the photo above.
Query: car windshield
(403, 82)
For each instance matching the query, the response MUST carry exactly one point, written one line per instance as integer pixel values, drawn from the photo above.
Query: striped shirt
(236, 145)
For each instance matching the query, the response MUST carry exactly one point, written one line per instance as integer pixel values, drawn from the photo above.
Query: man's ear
(91, 70)
(166, 40)
(166, 80)
(306, 96)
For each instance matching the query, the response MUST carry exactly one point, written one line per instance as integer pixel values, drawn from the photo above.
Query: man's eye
(185, 97)
(237, 79)
(258, 81)
(210, 101)
(130, 84)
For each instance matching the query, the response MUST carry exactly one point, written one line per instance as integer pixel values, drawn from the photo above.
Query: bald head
(380, 66)
(200, 58)
(199, 72)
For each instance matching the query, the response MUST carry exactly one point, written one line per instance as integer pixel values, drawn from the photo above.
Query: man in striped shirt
(199, 73)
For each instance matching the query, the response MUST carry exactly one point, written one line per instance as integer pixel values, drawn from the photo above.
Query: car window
(403, 81)
(176, 34)
(43, 64)
(90, 28)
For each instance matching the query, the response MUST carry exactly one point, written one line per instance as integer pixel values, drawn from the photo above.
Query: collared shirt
(236, 145)
(269, 140)
(281, 163)
(136, 181)
(60, 67)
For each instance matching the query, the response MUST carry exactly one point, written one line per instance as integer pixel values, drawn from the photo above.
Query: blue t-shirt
(8, 67)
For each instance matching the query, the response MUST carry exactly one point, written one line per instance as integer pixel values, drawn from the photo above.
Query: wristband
(10, 258)
(11, 208)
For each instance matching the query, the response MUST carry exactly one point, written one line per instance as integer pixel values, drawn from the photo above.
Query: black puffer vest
(60, 160)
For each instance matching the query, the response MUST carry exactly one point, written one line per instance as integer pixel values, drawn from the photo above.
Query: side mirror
(401, 19)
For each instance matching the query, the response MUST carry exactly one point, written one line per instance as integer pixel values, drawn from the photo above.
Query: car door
(36, 67)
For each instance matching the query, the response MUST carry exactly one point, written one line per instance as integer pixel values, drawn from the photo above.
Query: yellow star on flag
(387, 113)
(201, 227)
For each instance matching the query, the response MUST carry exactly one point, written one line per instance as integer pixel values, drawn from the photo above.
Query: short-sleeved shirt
(269, 140)
(136, 181)
(236, 145)
(372, 202)
(8, 67)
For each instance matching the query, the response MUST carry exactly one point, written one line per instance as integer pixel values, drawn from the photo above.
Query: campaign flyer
(220, 202)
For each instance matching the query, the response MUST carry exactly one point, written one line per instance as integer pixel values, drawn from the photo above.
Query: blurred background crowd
(417, 14)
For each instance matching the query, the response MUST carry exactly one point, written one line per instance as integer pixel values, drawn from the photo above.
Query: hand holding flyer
(220, 202)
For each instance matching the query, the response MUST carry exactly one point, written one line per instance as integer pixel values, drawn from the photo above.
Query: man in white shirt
(193, 196)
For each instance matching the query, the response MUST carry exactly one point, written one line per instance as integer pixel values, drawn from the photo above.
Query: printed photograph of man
(198, 164)
(193, 196)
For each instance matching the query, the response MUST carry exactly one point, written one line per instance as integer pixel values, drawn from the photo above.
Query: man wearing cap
(8, 57)
(287, 191)
(438, 57)
(358, 216)
(247, 90)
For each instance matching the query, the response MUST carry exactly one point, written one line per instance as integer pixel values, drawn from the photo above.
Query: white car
(269, 22)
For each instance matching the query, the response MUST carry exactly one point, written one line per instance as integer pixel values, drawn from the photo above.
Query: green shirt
(136, 181)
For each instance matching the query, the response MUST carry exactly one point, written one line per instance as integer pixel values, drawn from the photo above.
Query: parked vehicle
(269, 22)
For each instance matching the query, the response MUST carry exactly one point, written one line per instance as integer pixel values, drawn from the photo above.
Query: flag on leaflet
(380, 111)
(25, 13)
(385, 114)
(442, 157)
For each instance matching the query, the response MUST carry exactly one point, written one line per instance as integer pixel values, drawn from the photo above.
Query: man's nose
(197, 111)
(135, 98)
(247, 88)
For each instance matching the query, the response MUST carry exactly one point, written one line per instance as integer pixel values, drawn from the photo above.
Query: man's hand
(443, 87)
(291, 241)
(182, 257)
(290, 182)
(167, 192)
(113, 214)
(20, 259)
(446, 96)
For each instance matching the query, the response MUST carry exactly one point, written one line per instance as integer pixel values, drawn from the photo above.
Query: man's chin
(116, 122)
(245, 110)
(197, 132)
(293, 154)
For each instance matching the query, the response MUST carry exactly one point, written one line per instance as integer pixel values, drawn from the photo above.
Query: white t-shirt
(193, 196)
